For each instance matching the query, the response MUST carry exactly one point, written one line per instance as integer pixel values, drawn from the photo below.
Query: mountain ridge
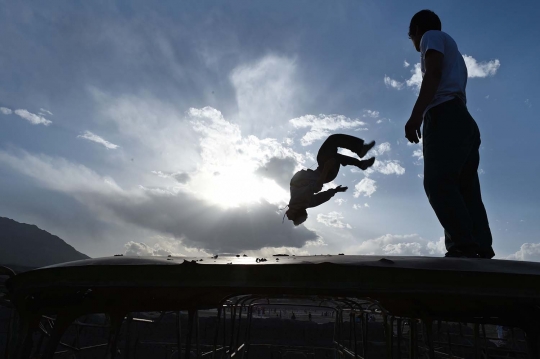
(27, 245)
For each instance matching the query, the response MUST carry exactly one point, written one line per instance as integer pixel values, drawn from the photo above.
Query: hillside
(26, 245)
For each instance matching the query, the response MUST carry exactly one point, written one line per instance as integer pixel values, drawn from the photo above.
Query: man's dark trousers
(451, 141)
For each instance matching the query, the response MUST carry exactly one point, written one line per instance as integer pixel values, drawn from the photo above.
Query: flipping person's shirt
(454, 71)
(303, 187)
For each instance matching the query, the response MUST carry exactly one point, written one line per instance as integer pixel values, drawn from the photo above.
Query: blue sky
(174, 128)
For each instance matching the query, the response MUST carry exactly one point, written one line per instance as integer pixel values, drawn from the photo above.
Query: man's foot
(364, 165)
(365, 148)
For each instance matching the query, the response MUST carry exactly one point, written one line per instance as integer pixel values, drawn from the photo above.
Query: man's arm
(321, 197)
(430, 83)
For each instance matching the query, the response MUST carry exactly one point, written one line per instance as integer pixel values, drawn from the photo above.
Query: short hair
(298, 216)
(425, 20)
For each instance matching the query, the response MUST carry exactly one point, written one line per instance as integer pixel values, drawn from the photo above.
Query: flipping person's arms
(430, 83)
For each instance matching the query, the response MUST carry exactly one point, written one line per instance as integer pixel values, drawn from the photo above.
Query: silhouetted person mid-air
(451, 140)
(306, 183)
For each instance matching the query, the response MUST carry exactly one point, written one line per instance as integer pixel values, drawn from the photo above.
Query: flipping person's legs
(329, 149)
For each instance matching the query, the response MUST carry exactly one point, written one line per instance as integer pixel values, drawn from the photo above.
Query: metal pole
(179, 333)
(189, 333)
(399, 323)
(197, 330)
(217, 331)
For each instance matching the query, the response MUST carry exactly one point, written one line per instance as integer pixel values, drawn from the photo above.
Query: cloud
(97, 139)
(399, 245)
(474, 69)
(380, 149)
(332, 219)
(189, 213)
(340, 201)
(321, 126)
(44, 111)
(405, 63)
(528, 252)
(481, 69)
(181, 177)
(415, 81)
(371, 113)
(33, 118)
(266, 93)
(365, 187)
(393, 83)
(418, 153)
(279, 170)
(386, 167)
(6, 111)
(142, 249)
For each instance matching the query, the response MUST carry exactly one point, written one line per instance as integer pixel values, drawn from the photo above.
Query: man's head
(421, 22)
(298, 216)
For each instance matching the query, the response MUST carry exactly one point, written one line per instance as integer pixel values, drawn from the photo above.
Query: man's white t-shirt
(454, 71)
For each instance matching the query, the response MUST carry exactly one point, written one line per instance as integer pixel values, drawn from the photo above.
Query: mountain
(25, 245)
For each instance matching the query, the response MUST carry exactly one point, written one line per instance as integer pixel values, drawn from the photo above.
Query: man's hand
(412, 128)
(340, 189)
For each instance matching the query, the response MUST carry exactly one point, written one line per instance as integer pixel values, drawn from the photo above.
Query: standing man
(451, 140)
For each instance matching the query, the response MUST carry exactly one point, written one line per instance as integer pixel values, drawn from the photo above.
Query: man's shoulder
(436, 40)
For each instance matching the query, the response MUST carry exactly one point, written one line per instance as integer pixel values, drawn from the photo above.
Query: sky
(175, 127)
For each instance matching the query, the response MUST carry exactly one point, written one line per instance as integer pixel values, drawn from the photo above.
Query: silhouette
(25, 246)
(451, 140)
(306, 183)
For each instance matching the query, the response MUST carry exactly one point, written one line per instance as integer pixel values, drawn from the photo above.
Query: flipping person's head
(421, 22)
(298, 216)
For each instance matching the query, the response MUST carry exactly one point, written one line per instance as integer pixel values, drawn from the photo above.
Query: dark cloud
(280, 170)
(181, 177)
(209, 227)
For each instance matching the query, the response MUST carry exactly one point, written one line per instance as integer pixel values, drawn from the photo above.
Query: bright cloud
(171, 211)
(481, 69)
(6, 111)
(33, 118)
(97, 139)
(393, 83)
(380, 149)
(332, 219)
(415, 81)
(386, 167)
(474, 69)
(366, 187)
(399, 245)
(266, 93)
(371, 113)
(323, 125)
(142, 249)
(340, 201)
(528, 252)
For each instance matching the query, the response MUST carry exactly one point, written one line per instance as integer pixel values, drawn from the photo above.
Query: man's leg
(448, 140)
(351, 161)
(469, 186)
(329, 149)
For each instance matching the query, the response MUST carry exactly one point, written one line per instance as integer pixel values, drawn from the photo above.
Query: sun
(237, 185)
